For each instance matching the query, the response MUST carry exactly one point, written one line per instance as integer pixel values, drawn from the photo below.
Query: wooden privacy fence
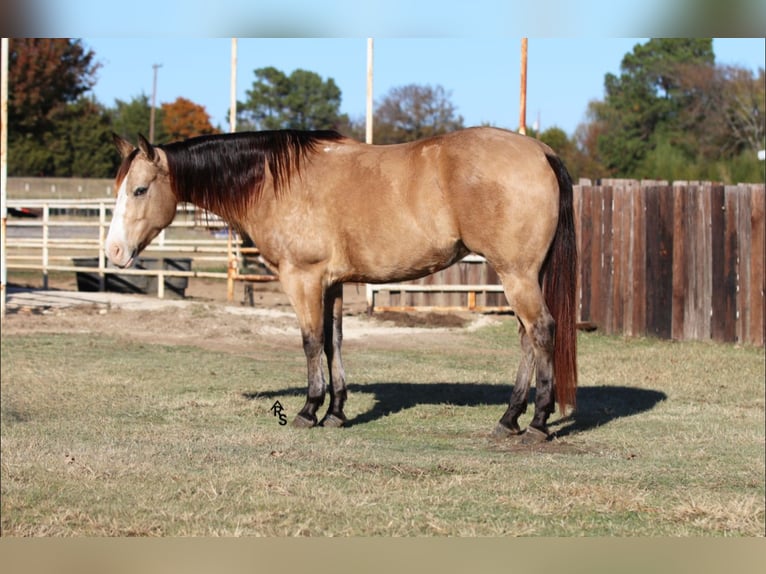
(681, 261)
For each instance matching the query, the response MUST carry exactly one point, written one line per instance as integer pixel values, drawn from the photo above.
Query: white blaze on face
(116, 240)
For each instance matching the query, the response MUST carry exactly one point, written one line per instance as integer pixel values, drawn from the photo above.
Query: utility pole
(233, 88)
(154, 100)
(368, 129)
(523, 99)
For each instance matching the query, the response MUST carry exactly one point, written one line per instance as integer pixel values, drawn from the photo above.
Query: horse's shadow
(596, 406)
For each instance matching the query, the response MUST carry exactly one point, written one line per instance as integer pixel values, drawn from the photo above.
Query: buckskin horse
(324, 210)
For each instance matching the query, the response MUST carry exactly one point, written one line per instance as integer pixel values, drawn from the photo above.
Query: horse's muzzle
(119, 255)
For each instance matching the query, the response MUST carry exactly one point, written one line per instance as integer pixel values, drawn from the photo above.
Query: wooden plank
(652, 261)
(605, 282)
(666, 252)
(637, 263)
(730, 264)
(448, 277)
(470, 273)
(422, 299)
(757, 270)
(482, 275)
(436, 298)
(492, 278)
(717, 227)
(439, 309)
(744, 238)
(627, 260)
(618, 251)
(694, 266)
(412, 287)
(680, 286)
(586, 252)
(596, 314)
(628, 283)
(659, 261)
(463, 274)
(706, 261)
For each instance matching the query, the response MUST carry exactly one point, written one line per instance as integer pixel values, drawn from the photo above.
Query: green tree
(80, 144)
(414, 111)
(565, 148)
(134, 117)
(558, 140)
(302, 100)
(644, 105)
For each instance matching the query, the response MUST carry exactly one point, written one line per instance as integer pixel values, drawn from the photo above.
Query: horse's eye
(140, 191)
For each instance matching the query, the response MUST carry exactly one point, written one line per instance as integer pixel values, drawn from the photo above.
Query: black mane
(226, 173)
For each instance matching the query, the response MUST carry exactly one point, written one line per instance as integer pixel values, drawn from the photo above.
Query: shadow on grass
(596, 406)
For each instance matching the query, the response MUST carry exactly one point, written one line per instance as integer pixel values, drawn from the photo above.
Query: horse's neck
(210, 204)
(229, 194)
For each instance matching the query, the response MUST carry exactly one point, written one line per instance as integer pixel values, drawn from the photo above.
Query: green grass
(103, 436)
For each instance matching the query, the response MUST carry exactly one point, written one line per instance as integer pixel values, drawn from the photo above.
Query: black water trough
(175, 287)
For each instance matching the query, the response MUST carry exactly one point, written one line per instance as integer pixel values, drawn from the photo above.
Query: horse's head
(145, 203)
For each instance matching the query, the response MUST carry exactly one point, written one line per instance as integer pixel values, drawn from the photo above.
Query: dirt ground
(205, 319)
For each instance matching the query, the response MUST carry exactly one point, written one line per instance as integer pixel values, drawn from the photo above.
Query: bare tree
(412, 112)
(745, 100)
(726, 116)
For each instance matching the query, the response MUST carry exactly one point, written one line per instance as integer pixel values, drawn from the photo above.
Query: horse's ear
(146, 147)
(123, 146)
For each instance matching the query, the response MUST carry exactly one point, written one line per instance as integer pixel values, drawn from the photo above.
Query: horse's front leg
(307, 297)
(333, 337)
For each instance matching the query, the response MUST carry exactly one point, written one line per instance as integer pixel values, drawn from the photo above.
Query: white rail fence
(48, 242)
(457, 288)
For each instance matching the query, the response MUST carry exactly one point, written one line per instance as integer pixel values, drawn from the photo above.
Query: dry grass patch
(105, 433)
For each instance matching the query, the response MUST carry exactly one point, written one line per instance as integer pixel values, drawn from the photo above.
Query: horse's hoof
(302, 422)
(332, 421)
(534, 435)
(502, 432)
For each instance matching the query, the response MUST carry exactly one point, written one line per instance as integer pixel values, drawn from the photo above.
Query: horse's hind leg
(333, 337)
(537, 340)
(543, 337)
(509, 423)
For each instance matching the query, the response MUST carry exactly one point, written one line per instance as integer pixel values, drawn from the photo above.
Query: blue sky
(482, 74)
(471, 48)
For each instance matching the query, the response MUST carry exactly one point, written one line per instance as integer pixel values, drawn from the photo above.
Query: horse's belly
(398, 261)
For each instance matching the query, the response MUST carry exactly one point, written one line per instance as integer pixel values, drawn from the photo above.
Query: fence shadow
(596, 406)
